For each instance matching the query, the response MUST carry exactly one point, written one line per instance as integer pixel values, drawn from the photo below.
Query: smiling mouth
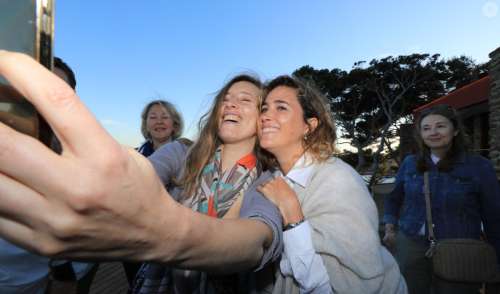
(230, 118)
(268, 130)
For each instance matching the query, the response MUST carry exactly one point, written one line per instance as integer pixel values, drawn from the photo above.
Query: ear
(312, 123)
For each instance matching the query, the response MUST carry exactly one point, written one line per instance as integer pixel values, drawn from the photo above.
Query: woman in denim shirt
(464, 194)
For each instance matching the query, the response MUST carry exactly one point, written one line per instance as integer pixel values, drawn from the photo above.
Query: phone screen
(25, 26)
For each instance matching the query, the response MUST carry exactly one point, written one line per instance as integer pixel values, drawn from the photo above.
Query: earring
(305, 137)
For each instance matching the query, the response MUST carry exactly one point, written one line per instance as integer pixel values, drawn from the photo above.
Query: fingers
(28, 162)
(270, 180)
(265, 186)
(268, 188)
(16, 233)
(20, 211)
(20, 204)
(32, 240)
(273, 183)
(389, 240)
(264, 190)
(73, 123)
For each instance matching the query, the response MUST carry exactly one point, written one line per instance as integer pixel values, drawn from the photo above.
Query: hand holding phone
(27, 27)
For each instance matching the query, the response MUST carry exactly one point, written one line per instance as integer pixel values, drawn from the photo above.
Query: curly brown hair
(320, 141)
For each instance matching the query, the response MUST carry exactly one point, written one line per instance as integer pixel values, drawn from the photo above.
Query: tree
(399, 84)
(371, 100)
(463, 70)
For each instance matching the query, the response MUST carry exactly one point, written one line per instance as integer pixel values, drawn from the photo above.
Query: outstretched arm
(99, 200)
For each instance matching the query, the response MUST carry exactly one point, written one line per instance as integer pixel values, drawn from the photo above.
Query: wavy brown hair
(459, 144)
(208, 141)
(320, 142)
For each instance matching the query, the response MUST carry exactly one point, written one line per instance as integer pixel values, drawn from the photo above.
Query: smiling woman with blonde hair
(161, 122)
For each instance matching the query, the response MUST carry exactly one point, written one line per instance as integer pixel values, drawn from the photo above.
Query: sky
(126, 53)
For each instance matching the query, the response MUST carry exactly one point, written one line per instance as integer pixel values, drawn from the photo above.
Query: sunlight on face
(159, 123)
(239, 113)
(282, 125)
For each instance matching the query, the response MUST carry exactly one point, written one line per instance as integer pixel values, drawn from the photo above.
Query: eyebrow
(241, 92)
(279, 101)
(265, 102)
(436, 123)
(160, 113)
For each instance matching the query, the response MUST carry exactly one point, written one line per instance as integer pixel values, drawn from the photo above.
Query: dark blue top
(461, 199)
(146, 148)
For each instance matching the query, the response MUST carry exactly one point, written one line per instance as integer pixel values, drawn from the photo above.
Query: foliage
(372, 99)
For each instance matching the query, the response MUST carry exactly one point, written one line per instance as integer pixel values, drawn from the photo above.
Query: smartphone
(26, 26)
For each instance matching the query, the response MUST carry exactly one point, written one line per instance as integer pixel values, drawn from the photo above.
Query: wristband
(293, 225)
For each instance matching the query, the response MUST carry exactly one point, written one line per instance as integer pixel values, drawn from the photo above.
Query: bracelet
(293, 225)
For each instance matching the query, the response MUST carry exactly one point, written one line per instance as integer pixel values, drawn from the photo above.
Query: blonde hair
(174, 114)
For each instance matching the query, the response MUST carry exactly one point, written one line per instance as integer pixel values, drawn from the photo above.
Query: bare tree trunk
(361, 158)
(376, 157)
(391, 151)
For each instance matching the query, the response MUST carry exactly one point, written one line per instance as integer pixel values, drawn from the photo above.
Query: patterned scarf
(218, 191)
(214, 197)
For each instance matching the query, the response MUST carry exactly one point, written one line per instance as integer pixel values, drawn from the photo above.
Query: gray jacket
(344, 221)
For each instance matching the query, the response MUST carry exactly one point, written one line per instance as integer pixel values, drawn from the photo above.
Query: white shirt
(434, 158)
(299, 259)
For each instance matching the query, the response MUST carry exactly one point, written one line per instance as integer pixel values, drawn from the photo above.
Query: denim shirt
(461, 199)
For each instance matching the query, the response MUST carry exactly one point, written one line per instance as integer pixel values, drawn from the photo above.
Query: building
(479, 106)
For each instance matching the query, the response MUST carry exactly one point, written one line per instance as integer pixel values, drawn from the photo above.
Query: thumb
(260, 189)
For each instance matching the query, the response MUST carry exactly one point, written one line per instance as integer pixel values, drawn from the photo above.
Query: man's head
(62, 70)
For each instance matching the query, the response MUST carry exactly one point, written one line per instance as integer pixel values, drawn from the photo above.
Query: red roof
(473, 93)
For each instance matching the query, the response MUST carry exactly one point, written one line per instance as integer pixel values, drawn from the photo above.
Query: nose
(231, 102)
(264, 117)
(433, 131)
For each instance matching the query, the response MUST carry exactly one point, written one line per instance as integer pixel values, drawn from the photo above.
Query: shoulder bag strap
(428, 213)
